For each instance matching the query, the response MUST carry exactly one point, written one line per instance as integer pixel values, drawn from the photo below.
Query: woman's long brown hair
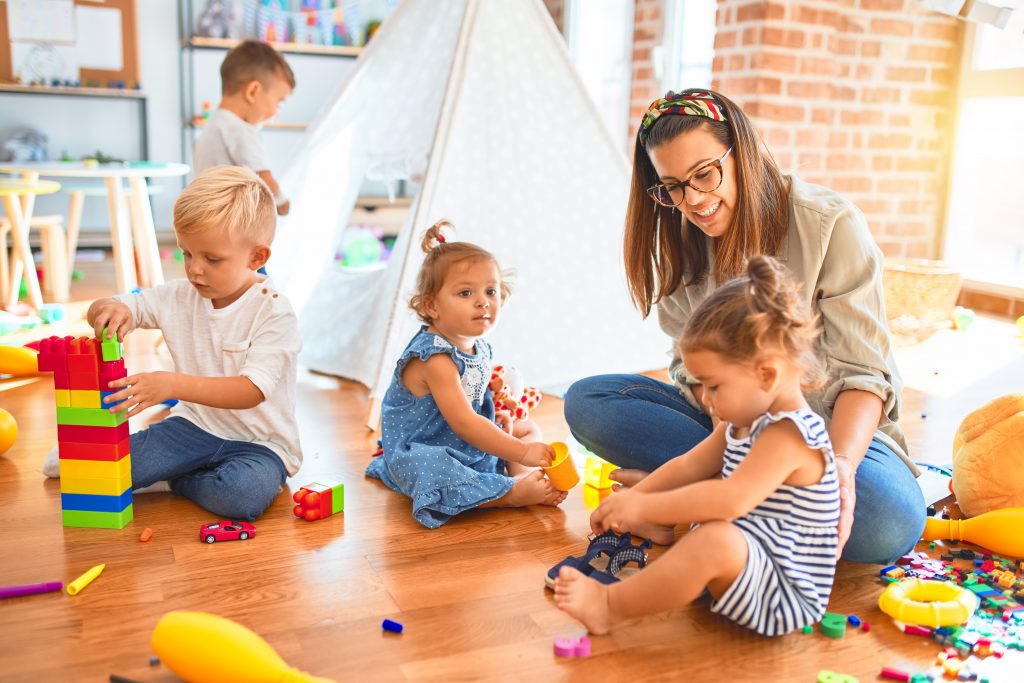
(663, 250)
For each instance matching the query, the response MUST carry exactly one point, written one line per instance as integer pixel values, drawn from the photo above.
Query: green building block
(90, 417)
(111, 348)
(338, 499)
(825, 676)
(98, 520)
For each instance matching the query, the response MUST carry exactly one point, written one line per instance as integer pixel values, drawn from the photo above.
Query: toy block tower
(95, 463)
(316, 501)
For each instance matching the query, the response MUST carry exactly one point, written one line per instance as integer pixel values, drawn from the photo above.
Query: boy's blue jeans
(639, 422)
(231, 479)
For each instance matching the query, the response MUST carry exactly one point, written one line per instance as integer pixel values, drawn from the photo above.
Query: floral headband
(686, 103)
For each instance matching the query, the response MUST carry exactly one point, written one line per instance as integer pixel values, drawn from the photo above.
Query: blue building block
(88, 502)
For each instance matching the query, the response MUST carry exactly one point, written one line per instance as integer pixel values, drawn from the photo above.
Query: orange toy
(510, 395)
(8, 430)
(1001, 531)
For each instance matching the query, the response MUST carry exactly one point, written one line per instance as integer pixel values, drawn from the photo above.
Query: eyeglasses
(707, 178)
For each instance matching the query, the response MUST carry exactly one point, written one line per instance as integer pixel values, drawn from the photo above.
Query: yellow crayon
(85, 579)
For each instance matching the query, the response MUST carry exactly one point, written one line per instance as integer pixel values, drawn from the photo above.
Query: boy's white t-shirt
(257, 337)
(227, 139)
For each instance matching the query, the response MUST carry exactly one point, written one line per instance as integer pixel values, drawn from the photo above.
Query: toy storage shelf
(120, 93)
(300, 48)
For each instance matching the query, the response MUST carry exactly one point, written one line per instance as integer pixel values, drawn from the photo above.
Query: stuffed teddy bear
(988, 457)
(510, 395)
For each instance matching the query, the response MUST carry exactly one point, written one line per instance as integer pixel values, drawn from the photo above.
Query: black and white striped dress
(791, 540)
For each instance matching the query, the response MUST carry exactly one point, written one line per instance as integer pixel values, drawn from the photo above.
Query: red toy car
(226, 530)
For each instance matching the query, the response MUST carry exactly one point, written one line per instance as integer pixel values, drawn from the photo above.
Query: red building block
(83, 381)
(109, 371)
(317, 501)
(53, 357)
(84, 356)
(84, 434)
(71, 450)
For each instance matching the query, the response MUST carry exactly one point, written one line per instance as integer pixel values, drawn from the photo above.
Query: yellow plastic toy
(928, 603)
(76, 586)
(8, 431)
(205, 648)
(988, 457)
(562, 472)
(1001, 531)
(596, 471)
(18, 361)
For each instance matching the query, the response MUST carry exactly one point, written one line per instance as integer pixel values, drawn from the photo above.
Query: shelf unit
(297, 48)
(137, 96)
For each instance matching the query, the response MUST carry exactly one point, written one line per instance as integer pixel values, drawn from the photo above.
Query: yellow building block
(95, 469)
(63, 397)
(97, 487)
(85, 398)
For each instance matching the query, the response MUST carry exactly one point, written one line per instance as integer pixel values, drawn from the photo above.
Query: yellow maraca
(1001, 531)
(205, 648)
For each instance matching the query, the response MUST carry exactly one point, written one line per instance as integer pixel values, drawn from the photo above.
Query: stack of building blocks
(95, 458)
(316, 500)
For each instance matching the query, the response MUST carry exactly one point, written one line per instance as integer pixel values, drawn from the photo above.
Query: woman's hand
(847, 499)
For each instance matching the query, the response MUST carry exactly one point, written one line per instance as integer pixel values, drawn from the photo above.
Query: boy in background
(255, 80)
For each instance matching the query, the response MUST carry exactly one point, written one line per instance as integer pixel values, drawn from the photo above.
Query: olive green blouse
(831, 251)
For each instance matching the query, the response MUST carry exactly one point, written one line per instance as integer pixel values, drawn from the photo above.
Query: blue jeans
(231, 479)
(639, 422)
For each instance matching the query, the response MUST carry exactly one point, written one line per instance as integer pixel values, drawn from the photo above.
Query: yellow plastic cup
(562, 472)
(596, 471)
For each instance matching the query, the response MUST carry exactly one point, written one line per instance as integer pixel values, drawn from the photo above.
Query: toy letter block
(316, 501)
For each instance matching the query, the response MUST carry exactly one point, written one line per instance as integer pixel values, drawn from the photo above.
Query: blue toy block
(93, 503)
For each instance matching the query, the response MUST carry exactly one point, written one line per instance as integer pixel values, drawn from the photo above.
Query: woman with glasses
(706, 196)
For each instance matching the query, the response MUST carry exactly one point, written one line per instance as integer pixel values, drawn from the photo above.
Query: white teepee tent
(519, 160)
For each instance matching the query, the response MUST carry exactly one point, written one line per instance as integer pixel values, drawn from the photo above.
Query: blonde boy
(232, 439)
(255, 80)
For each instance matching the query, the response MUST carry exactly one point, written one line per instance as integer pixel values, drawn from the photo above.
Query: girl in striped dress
(760, 493)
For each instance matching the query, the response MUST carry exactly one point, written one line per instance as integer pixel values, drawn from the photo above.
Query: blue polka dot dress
(423, 458)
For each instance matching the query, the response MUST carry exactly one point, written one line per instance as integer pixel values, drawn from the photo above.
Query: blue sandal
(619, 550)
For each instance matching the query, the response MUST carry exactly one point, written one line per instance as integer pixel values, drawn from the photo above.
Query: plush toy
(988, 457)
(510, 395)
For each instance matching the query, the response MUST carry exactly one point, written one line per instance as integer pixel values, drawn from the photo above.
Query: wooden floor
(471, 594)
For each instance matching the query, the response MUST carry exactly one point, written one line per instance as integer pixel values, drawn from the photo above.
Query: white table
(137, 227)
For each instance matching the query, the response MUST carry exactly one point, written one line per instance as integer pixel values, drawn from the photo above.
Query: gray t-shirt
(227, 139)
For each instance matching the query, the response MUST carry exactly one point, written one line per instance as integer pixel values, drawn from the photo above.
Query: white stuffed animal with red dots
(510, 395)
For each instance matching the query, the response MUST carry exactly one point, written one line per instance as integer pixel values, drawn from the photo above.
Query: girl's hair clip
(440, 238)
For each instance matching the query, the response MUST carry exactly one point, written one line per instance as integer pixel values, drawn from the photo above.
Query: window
(985, 205)
(600, 37)
(684, 60)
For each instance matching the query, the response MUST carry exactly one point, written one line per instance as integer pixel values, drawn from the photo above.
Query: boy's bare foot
(628, 477)
(531, 488)
(585, 600)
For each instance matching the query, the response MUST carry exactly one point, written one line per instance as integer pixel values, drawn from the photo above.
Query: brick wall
(853, 94)
(648, 29)
(557, 10)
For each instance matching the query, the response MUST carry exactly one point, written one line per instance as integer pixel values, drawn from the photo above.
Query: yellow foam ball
(8, 430)
(988, 457)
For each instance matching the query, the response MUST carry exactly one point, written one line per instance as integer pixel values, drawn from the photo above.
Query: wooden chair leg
(5, 269)
(55, 264)
(75, 203)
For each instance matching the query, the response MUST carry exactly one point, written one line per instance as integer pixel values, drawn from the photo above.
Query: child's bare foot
(531, 488)
(662, 535)
(585, 600)
(514, 469)
(628, 477)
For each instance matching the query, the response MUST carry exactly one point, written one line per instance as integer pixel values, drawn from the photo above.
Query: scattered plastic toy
(392, 626)
(567, 646)
(226, 530)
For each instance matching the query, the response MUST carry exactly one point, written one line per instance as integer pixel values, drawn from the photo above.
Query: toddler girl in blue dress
(442, 445)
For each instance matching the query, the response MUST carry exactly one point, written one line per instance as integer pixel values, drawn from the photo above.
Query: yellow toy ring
(928, 603)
